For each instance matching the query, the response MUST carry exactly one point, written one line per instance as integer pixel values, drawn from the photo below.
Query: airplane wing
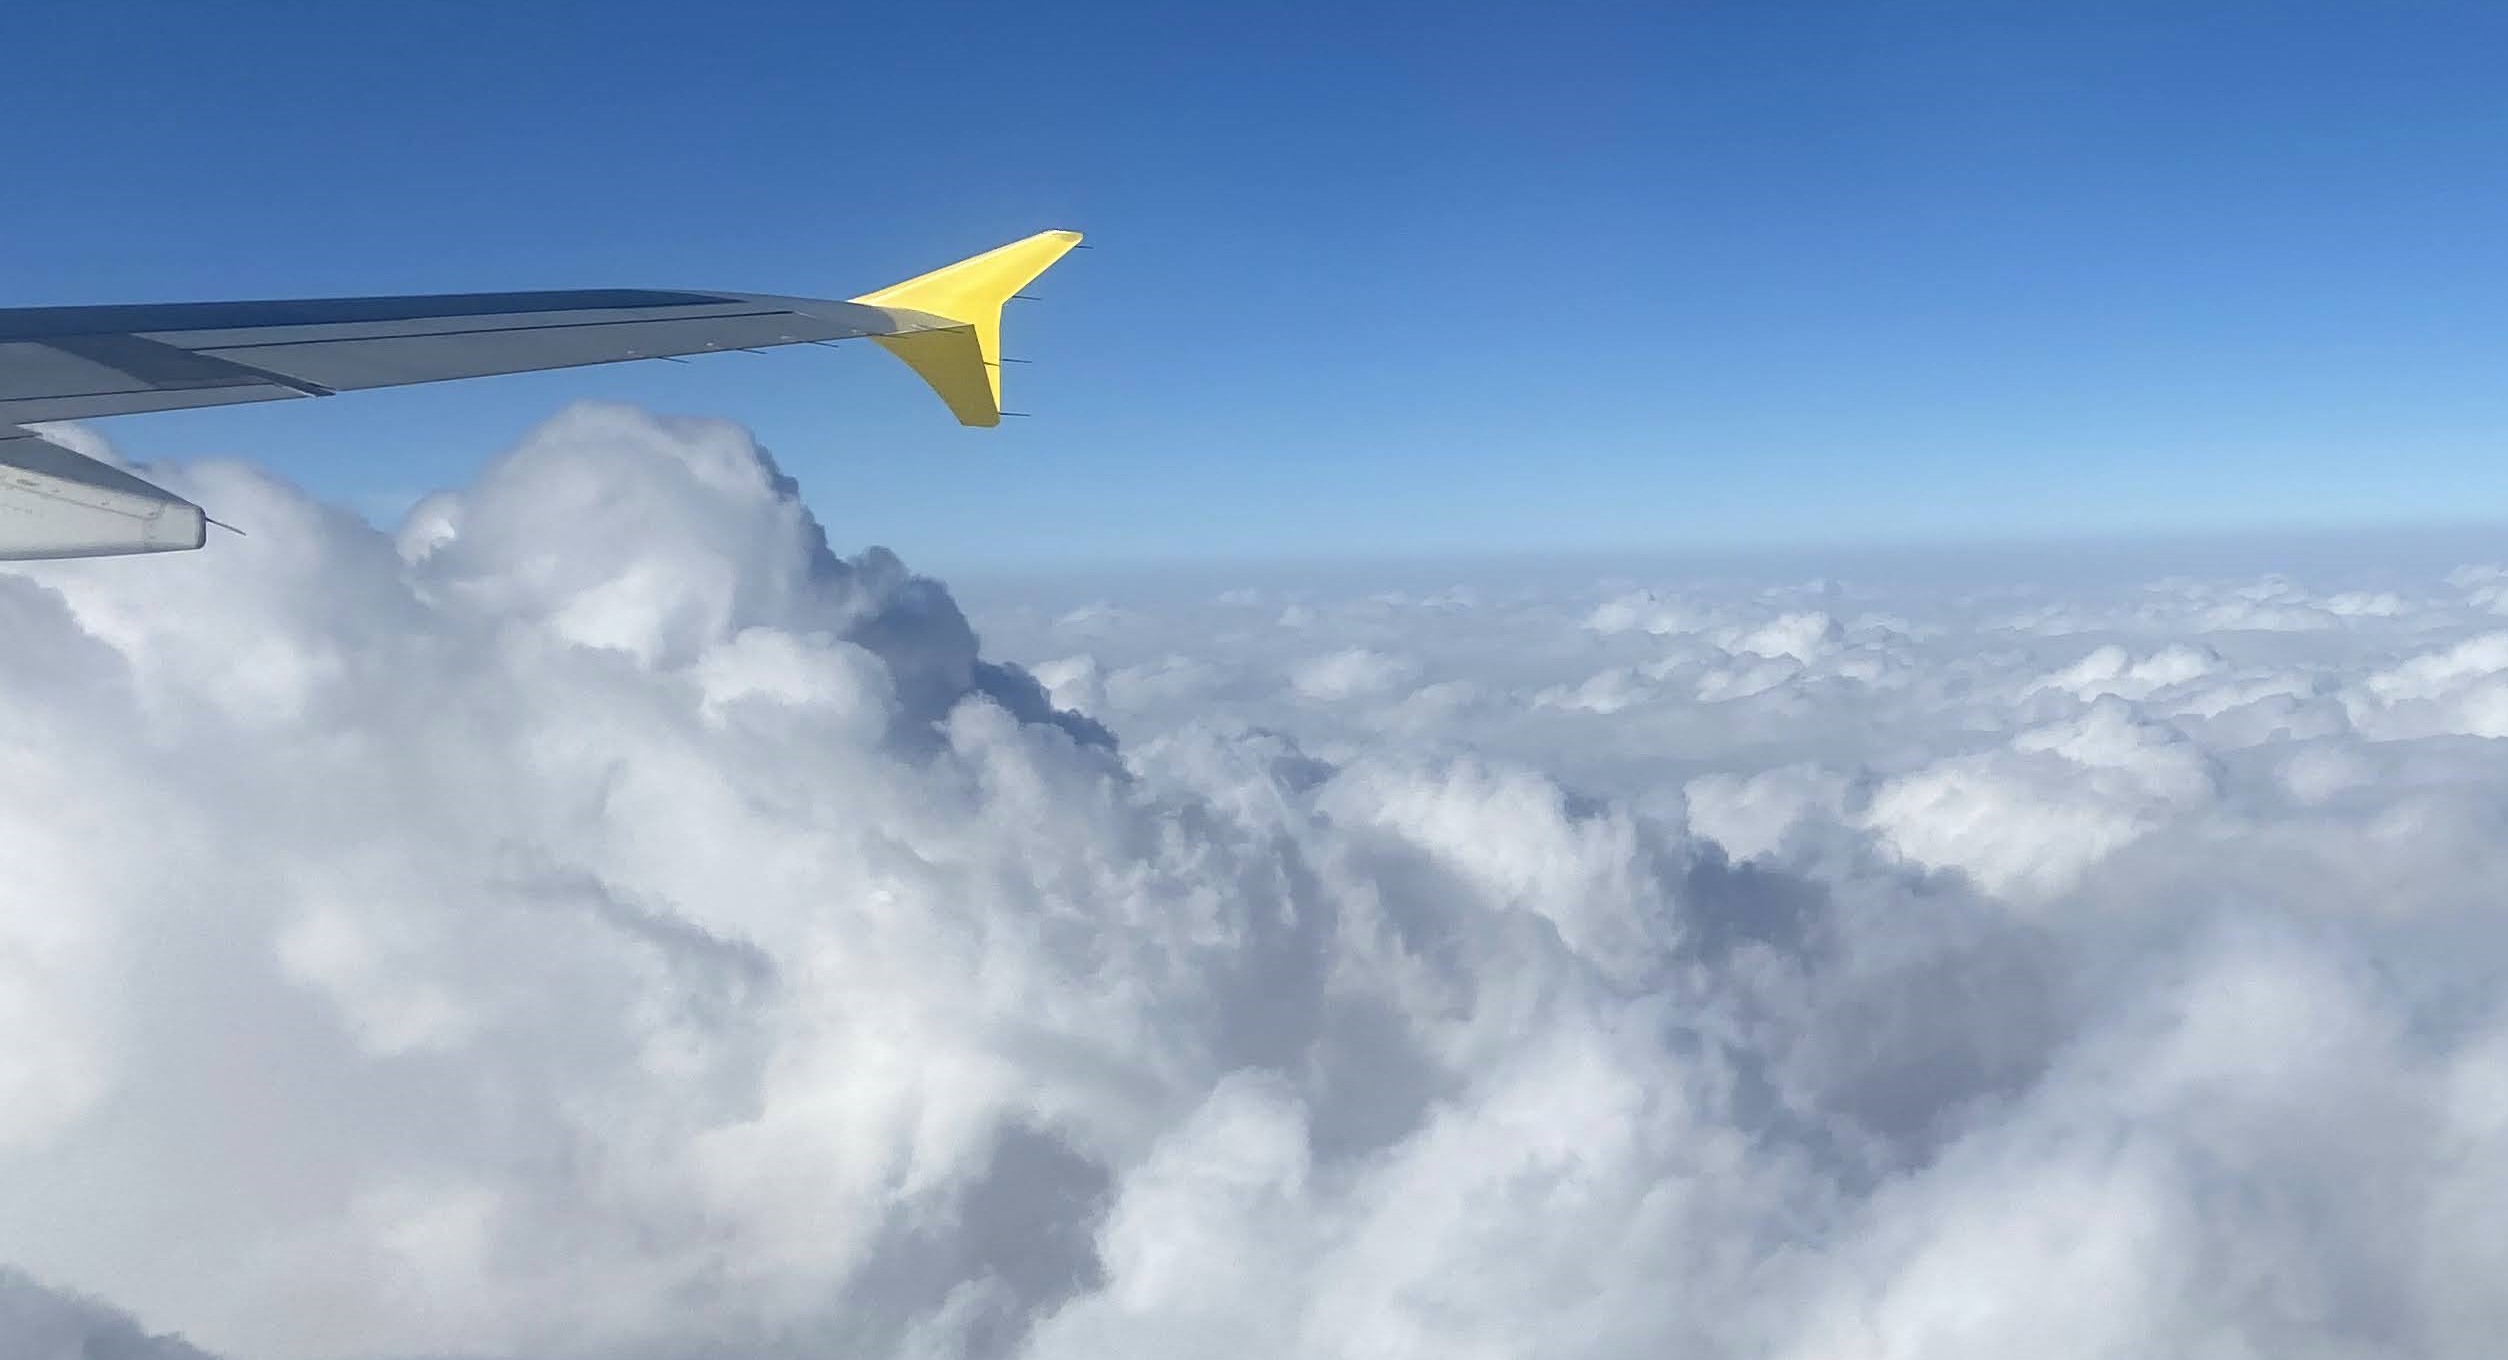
(73, 363)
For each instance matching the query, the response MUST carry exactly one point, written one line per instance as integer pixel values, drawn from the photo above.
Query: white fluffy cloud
(1351, 673)
(599, 920)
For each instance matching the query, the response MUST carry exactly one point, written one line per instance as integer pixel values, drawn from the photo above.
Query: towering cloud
(601, 920)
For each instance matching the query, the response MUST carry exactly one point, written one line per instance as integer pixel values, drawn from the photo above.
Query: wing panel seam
(487, 330)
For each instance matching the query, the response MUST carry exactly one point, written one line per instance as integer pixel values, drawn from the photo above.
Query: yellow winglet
(962, 360)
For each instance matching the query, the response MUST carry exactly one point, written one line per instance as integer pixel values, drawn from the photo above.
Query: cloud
(601, 919)
(2028, 820)
(41, 1324)
(1805, 636)
(1642, 611)
(2463, 688)
(1751, 816)
(2113, 670)
(1351, 673)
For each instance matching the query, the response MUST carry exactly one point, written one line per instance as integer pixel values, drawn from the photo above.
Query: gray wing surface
(71, 363)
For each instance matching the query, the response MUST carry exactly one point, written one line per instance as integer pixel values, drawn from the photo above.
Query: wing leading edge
(74, 363)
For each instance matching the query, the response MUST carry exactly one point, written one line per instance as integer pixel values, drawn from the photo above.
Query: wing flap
(56, 503)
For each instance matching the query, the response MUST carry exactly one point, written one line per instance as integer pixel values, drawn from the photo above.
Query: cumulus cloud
(601, 919)
(2027, 820)
(2113, 670)
(1351, 673)
(1804, 636)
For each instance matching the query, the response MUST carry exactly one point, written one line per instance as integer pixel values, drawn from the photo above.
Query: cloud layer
(600, 920)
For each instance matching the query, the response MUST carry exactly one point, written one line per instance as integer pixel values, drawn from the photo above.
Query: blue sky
(1372, 279)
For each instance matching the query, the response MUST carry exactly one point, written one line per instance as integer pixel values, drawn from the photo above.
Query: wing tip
(965, 371)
